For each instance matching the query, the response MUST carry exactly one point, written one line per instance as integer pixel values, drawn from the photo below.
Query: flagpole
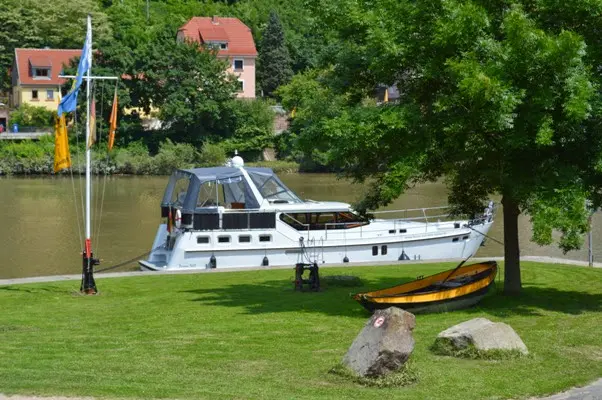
(69, 104)
(88, 285)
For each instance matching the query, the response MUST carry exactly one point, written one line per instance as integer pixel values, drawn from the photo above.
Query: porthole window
(374, 250)
(244, 239)
(265, 238)
(202, 239)
(383, 249)
(223, 239)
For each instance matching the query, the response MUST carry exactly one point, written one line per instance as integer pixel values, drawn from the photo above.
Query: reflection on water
(42, 224)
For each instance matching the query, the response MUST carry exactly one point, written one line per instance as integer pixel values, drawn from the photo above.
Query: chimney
(214, 20)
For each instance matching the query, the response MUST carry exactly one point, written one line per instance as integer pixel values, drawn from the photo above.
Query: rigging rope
(487, 236)
(79, 228)
(130, 260)
(99, 136)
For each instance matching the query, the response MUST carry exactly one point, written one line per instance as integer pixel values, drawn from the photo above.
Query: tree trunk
(512, 280)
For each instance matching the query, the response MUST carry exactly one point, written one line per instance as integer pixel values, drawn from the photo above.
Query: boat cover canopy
(185, 186)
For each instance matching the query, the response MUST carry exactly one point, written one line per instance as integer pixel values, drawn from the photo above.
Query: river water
(41, 231)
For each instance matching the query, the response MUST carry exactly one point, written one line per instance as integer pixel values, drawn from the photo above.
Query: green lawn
(248, 335)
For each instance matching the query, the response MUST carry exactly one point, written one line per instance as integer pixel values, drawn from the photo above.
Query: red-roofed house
(35, 76)
(235, 44)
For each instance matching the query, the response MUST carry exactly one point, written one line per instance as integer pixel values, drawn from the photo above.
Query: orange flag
(113, 121)
(62, 158)
(92, 137)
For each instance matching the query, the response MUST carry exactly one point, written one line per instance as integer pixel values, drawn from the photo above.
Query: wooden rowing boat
(453, 289)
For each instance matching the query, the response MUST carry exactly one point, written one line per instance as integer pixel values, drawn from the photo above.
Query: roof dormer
(40, 66)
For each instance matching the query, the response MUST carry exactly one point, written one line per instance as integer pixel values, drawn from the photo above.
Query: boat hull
(185, 253)
(433, 293)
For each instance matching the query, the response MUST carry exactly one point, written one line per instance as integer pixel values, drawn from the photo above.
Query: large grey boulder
(483, 334)
(384, 345)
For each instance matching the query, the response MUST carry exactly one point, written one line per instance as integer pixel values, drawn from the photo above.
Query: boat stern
(159, 254)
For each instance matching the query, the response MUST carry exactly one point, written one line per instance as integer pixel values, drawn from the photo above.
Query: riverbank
(72, 277)
(36, 158)
(248, 334)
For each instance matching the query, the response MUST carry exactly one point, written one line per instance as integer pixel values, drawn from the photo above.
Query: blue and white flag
(69, 102)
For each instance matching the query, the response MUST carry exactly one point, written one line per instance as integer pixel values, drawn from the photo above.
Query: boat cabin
(244, 198)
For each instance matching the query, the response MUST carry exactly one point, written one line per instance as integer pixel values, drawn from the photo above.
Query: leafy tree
(497, 97)
(312, 104)
(274, 59)
(31, 23)
(249, 127)
(188, 84)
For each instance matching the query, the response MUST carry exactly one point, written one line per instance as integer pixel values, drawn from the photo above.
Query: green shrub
(174, 155)
(133, 159)
(28, 115)
(212, 155)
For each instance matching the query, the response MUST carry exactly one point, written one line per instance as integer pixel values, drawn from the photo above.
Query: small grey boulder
(483, 334)
(384, 345)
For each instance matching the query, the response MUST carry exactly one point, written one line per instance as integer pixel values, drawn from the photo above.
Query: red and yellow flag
(62, 158)
(113, 121)
(92, 123)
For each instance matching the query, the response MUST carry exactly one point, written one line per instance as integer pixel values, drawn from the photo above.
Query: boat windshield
(228, 193)
(273, 190)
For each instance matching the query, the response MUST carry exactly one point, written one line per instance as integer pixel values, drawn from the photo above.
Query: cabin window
(202, 239)
(383, 250)
(299, 221)
(272, 189)
(321, 221)
(403, 230)
(223, 239)
(265, 238)
(229, 193)
(464, 237)
(374, 250)
(244, 239)
(391, 230)
(455, 239)
(179, 191)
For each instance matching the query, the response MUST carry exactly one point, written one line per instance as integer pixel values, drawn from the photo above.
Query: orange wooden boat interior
(453, 289)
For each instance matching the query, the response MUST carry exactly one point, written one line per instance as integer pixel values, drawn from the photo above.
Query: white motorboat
(236, 216)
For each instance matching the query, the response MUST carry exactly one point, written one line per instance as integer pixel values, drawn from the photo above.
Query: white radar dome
(238, 162)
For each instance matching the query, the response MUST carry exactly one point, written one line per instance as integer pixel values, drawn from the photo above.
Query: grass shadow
(280, 296)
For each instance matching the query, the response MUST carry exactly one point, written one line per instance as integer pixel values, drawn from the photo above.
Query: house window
(34, 95)
(238, 65)
(41, 72)
(241, 85)
(50, 94)
(223, 46)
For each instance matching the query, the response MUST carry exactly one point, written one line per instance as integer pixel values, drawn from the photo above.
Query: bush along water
(37, 158)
